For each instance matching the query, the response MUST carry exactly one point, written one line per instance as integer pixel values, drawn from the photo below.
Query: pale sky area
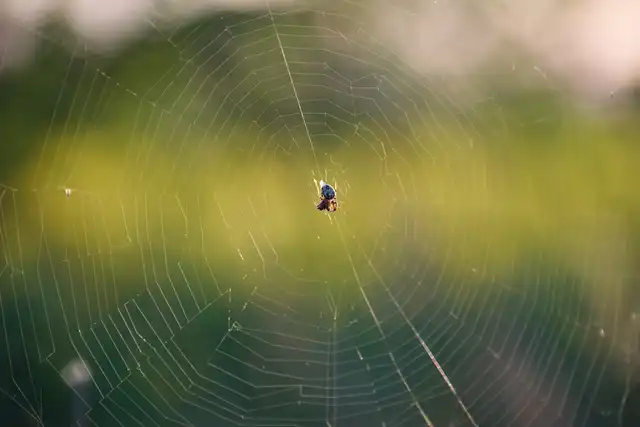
(592, 46)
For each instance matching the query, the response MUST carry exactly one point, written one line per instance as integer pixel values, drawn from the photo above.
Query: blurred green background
(501, 223)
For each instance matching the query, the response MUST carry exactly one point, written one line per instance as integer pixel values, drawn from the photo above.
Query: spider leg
(323, 205)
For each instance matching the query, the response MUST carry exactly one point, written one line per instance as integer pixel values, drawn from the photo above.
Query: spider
(328, 200)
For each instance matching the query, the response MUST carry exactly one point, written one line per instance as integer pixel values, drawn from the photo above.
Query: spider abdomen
(328, 192)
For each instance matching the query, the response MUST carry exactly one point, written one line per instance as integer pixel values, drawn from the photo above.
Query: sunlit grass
(523, 195)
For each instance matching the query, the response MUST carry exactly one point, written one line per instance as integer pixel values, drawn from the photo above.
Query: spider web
(179, 274)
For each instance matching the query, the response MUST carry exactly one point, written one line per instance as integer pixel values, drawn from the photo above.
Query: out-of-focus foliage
(172, 146)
